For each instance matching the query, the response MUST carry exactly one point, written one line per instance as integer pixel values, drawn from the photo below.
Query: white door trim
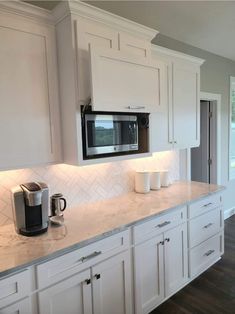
(185, 159)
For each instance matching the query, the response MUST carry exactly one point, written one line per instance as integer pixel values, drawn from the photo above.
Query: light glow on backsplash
(86, 184)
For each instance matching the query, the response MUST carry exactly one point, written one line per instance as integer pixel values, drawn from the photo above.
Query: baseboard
(229, 212)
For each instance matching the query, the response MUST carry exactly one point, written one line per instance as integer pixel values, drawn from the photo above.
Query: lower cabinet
(105, 288)
(161, 268)
(21, 307)
(70, 296)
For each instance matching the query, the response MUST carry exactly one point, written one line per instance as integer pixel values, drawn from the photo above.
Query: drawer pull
(92, 255)
(135, 107)
(165, 223)
(209, 252)
(208, 204)
(208, 225)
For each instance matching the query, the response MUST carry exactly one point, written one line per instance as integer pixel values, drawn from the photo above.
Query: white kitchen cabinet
(149, 274)
(178, 126)
(80, 27)
(175, 258)
(20, 307)
(161, 268)
(29, 110)
(105, 287)
(111, 283)
(96, 276)
(14, 288)
(90, 34)
(126, 83)
(186, 104)
(160, 258)
(72, 295)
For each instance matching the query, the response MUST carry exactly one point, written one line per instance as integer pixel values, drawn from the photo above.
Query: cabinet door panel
(186, 106)
(29, 99)
(122, 82)
(21, 307)
(149, 275)
(69, 296)
(112, 285)
(90, 34)
(134, 45)
(176, 259)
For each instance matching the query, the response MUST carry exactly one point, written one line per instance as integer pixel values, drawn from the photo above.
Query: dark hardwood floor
(214, 291)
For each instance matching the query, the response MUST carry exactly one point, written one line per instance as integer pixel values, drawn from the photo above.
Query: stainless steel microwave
(108, 134)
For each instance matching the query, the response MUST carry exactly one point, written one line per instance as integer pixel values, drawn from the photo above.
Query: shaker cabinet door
(71, 296)
(125, 83)
(176, 258)
(111, 281)
(186, 105)
(149, 275)
(29, 96)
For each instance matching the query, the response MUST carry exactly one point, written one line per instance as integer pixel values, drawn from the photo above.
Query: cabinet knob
(161, 242)
(175, 142)
(88, 281)
(97, 276)
(167, 239)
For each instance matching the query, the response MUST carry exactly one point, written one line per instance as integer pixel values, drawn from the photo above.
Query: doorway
(204, 158)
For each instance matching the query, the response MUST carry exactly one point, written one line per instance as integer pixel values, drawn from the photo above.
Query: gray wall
(215, 73)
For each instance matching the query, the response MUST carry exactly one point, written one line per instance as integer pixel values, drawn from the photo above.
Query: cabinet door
(29, 95)
(70, 296)
(111, 281)
(176, 259)
(90, 34)
(186, 105)
(125, 83)
(149, 275)
(21, 307)
(161, 123)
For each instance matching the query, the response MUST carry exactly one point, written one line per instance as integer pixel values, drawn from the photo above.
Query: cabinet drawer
(205, 254)
(204, 205)
(157, 225)
(205, 226)
(14, 288)
(73, 262)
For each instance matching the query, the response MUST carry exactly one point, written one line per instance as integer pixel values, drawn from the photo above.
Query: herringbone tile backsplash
(84, 184)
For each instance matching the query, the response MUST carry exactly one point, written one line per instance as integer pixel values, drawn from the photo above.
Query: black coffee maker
(30, 208)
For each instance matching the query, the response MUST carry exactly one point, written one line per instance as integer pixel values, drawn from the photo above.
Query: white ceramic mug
(165, 178)
(155, 181)
(142, 181)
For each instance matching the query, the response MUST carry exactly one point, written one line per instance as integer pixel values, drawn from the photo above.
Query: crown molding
(177, 54)
(27, 10)
(82, 9)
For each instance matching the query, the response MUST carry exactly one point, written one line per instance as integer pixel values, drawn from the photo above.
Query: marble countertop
(88, 223)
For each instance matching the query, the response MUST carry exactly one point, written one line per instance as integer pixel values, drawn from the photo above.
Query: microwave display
(105, 134)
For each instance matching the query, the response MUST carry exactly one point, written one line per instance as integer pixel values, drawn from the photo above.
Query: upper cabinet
(178, 126)
(29, 110)
(125, 82)
(118, 54)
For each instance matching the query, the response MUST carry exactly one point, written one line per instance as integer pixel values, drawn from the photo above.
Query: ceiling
(209, 25)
